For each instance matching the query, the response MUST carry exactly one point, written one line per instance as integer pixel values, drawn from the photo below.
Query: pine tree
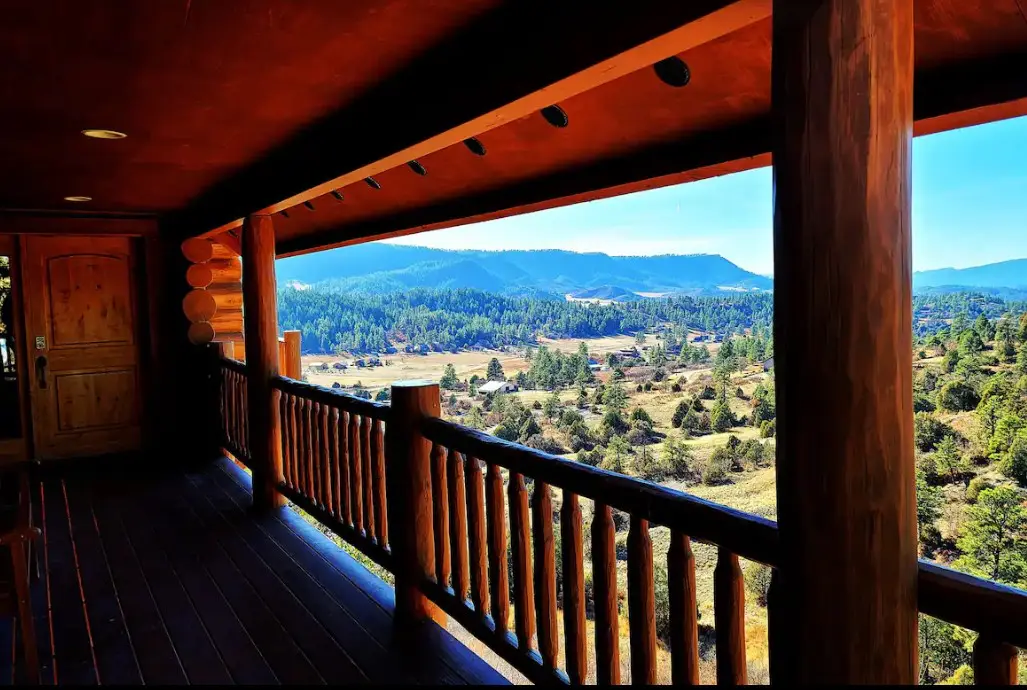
(449, 380)
(495, 371)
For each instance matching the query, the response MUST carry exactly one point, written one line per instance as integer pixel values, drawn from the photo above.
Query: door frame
(17, 449)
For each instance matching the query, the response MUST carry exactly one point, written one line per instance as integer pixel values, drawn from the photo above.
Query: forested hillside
(441, 319)
(402, 268)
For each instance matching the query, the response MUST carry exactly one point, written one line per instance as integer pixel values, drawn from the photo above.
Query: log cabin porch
(139, 317)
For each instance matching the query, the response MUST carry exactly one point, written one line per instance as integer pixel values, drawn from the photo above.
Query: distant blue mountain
(1005, 274)
(386, 267)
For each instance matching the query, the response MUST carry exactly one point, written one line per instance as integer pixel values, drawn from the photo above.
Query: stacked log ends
(214, 305)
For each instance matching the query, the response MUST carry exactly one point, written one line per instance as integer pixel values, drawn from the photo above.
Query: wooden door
(82, 344)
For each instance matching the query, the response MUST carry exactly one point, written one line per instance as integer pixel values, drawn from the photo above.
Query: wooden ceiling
(287, 105)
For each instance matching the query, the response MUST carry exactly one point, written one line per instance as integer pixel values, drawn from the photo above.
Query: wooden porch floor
(170, 579)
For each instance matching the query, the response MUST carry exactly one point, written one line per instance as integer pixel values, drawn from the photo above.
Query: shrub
(739, 393)
(714, 470)
(537, 405)
(757, 581)
(957, 396)
(768, 428)
(638, 388)
(921, 403)
(928, 431)
(680, 411)
(976, 486)
(708, 393)
(675, 387)
(677, 457)
(648, 386)
(1014, 463)
(592, 457)
(721, 418)
(544, 443)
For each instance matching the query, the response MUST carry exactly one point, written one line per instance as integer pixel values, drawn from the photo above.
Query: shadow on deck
(171, 579)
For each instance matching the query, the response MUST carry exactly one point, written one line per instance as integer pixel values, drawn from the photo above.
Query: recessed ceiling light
(103, 134)
(78, 198)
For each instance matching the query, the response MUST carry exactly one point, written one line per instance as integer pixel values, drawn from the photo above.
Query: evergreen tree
(448, 380)
(992, 538)
(495, 370)
(615, 399)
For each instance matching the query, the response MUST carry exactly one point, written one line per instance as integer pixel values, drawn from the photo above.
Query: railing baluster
(476, 536)
(995, 663)
(641, 603)
(520, 552)
(604, 580)
(499, 577)
(331, 431)
(573, 589)
(316, 444)
(545, 574)
(344, 464)
(458, 525)
(443, 561)
(365, 458)
(378, 451)
(355, 467)
(304, 439)
(283, 424)
(729, 619)
(293, 443)
(684, 622)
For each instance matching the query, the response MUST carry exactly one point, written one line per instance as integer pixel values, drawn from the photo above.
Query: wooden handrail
(332, 397)
(973, 602)
(233, 364)
(746, 535)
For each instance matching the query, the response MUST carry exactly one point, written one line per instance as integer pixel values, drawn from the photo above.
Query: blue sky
(969, 208)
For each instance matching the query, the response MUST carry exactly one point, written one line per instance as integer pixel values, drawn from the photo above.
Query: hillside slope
(381, 267)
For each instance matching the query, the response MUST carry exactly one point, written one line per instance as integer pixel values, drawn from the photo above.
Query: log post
(291, 367)
(259, 293)
(842, 88)
(410, 510)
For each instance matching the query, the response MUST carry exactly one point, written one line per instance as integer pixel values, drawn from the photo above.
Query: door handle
(41, 371)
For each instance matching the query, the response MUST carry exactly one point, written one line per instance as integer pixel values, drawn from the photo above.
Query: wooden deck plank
(73, 658)
(115, 656)
(370, 599)
(280, 584)
(40, 596)
(240, 655)
(189, 636)
(277, 646)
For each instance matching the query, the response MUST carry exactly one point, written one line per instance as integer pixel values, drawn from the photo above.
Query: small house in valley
(497, 387)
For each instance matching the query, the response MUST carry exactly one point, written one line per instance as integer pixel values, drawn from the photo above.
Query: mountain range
(389, 267)
(381, 267)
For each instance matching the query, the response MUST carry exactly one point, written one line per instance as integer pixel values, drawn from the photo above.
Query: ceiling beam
(511, 63)
(946, 98)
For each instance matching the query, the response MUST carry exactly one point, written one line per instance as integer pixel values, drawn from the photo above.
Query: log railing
(333, 462)
(470, 582)
(492, 532)
(233, 408)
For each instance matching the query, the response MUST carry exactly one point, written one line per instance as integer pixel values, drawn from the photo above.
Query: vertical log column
(261, 324)
(291, 367)
(843, 103)
(411, 513)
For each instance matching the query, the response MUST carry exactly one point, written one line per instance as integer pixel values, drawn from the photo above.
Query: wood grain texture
(729, 619)
(995, 663)
(440, 494)
(641, 604)
(411, 507)
(499, 576)
(520, 555)
(356, 472)
(843, 120)
(684, 619)
(545, 574)
(604, 580)
(573, 553)
(345, 478)
(476, 536)
(458, 525)
(380, 495)
(291, 367)
(367, 462)
(259, 288)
